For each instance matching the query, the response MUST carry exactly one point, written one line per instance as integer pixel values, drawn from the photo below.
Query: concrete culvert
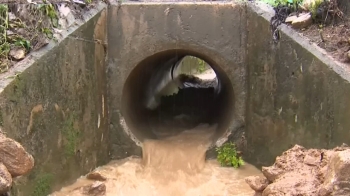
(176, 90)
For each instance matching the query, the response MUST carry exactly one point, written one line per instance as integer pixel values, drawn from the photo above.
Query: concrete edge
(267, 12)
(234, 2)
(7, 77)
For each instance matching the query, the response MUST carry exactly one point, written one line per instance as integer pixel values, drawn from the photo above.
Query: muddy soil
(27, 27)
(331, 29)
(310, 172)
(334, 39)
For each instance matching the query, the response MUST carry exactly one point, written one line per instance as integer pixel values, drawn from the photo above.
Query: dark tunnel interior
(178, 112)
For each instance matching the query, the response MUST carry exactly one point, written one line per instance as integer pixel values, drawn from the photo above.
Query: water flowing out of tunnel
(173, 166)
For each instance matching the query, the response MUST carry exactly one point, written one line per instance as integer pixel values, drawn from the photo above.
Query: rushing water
(173, 166)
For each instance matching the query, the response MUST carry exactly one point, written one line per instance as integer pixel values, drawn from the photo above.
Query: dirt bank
(308, 172)
(27, 27)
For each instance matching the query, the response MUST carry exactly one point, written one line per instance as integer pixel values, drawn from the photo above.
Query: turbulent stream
(172, 166)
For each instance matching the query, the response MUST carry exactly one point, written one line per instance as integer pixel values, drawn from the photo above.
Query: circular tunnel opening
(201, 94)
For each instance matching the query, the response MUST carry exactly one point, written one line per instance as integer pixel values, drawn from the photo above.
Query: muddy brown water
(171, 166)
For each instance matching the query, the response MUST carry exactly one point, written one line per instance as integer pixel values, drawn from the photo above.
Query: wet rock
(96, 176)
(5, 179)
(337, 176)
(12, 154)
(18, 53)
(301, 21)
(257, 183)
(96, 189)
(291, 18)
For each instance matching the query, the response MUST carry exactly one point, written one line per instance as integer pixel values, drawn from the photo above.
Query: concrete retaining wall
(54, 107)
(296, 93)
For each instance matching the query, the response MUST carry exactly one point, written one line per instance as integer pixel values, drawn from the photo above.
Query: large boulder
(12, 154)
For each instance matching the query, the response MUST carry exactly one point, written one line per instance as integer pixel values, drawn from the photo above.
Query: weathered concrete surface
(296, 94)
(211, 31)
(55, 108)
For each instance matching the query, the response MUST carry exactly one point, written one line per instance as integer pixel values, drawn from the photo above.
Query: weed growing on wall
(71, 135)
(275, 3)
(42, 185)
(227, 156)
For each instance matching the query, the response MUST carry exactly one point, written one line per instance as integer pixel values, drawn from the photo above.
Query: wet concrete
(53, 104)
(297, 94)
(153, 33)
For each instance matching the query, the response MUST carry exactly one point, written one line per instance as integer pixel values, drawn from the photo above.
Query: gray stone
(303, 21)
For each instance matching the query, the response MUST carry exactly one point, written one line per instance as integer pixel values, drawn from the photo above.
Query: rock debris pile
(14, 161)
(308, 172)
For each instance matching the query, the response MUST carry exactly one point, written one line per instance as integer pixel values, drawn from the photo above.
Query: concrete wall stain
(36, 109)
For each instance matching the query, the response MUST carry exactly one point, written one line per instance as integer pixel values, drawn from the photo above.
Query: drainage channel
(177, 111)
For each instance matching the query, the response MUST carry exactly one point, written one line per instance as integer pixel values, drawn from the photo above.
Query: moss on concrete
(18, 87)
(1, 118)
(71, 135)
(42, 185)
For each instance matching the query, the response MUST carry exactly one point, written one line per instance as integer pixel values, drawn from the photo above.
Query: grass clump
(42, 185)
(228, 156)
(290, 3)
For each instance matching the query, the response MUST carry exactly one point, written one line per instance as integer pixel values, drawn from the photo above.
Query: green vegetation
(49, 10)
(275, 3)
(19, 32)
(314, 6)
(199, 63)
(227, 156)
(42, 185)
(71, 136)
(4, 25)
